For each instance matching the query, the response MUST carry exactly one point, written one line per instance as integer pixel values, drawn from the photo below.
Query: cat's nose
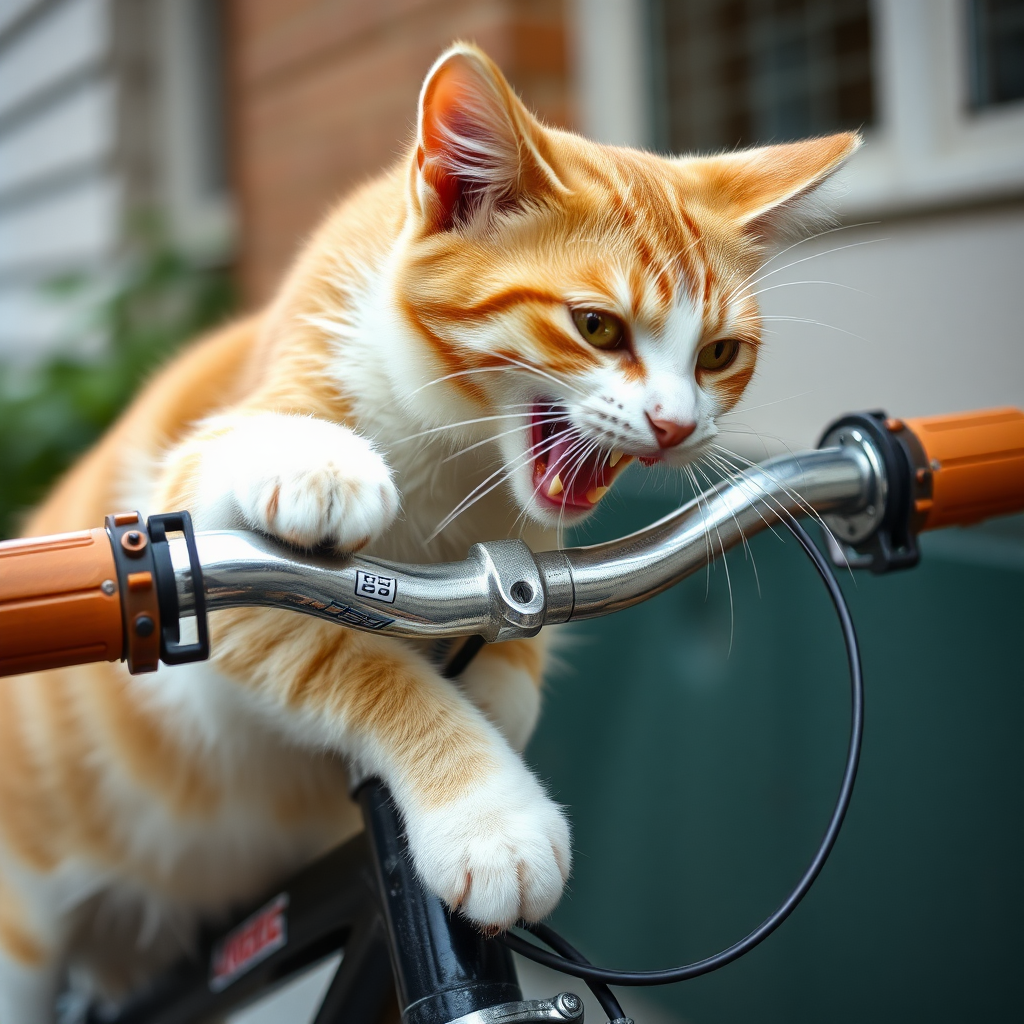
(668, 433)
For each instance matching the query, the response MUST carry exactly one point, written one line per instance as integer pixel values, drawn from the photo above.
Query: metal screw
(936, 465)
(522, 592)
(568, 1004)
(870, 510)
(109, 587)
(842, 439)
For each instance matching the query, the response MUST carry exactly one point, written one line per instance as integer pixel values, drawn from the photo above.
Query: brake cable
(568, 961)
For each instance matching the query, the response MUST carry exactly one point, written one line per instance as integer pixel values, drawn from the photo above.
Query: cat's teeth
(595, 494)
(555, 488)
(613, 459)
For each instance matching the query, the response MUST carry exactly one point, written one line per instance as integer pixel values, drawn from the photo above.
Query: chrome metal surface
(443, 599)
(855, 527)
(609, 577)
(502, 590)
(529, 1011)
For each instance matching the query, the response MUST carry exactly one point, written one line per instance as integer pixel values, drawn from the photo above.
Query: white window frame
(927, 148)
(202, 223)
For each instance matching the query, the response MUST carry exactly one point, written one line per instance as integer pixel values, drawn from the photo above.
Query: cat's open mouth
(568, 469)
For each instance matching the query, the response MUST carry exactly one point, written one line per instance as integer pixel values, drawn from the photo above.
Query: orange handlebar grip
(59, 602)
(976, 464)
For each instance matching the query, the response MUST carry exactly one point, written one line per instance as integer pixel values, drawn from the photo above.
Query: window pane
(997, 51)
(738, 72)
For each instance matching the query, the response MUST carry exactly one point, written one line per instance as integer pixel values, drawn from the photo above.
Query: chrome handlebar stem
(502, 590)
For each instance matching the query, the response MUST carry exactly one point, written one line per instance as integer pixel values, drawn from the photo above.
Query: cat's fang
(555, 488)
(613, 459)
(595, 494)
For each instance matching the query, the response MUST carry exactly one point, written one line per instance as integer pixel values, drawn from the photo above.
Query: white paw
(499, 854)
(311, 482)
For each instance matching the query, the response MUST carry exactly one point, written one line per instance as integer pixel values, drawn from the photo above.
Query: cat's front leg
(306, 480)
(504, 681)
(484, 835)
(493, 845)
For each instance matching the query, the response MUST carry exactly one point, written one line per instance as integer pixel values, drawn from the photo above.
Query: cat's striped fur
(442, 293)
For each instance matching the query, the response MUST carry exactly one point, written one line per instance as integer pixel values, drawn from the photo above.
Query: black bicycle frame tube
(327, 906)
(444, 968)
(363, 898)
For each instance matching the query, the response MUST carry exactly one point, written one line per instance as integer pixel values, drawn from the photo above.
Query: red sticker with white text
(250, 943)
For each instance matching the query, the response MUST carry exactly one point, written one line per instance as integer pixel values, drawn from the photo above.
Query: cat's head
(585, 305)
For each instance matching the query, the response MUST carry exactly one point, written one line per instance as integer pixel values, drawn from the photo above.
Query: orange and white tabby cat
(545, 306)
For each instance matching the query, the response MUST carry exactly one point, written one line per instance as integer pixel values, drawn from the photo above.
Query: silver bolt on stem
(568, 1004)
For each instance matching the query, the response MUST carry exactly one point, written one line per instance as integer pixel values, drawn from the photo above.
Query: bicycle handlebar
(502, 590)
(877, 481)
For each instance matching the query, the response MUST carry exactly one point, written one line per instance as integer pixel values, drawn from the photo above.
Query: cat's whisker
(725, 565)
(764, 405)
(504, 433)
(537, 371)
(577, 445)
(453, 376)
(699, 498)
(581, 454)
(786, 443)
(463, 423)
(793, 284)
(798, 498)
(728, 473)
(817, 323)
(561, 382)
(733, 472)
(790, 248)
(813, 256)
(503, 473)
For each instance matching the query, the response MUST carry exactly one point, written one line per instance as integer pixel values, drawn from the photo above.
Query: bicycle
(123, 591)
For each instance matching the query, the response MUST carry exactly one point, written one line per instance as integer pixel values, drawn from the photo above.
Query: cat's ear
(478, 150)
(784, 192)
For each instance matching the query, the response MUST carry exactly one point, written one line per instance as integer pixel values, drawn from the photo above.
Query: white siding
(71, 38)
(78, 226)
(60, 193)
(75, 132)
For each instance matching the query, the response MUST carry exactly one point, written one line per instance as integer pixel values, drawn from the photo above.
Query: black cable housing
(602, 993)
(578, 967)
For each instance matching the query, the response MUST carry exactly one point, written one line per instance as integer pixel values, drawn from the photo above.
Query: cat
(473, 345)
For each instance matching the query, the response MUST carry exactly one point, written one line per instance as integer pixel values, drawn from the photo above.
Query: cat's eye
(718, 355)
(602, 330)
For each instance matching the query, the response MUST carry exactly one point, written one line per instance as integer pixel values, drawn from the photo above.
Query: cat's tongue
(560, 477)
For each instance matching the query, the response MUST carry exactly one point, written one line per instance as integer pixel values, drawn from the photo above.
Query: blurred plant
(52, 410)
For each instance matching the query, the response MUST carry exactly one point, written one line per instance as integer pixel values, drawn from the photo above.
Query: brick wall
(323, 94)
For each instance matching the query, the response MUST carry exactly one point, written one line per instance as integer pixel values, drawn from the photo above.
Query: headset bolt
(521, 592)
(568, 1004)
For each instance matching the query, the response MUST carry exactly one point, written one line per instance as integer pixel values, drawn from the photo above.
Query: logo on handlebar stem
(378, 588)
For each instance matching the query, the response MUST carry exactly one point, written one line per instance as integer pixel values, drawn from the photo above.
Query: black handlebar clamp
(172, 651)
(885, 537)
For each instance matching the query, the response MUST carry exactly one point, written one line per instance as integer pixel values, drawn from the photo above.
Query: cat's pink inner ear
(782, 191)
(468, 146)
